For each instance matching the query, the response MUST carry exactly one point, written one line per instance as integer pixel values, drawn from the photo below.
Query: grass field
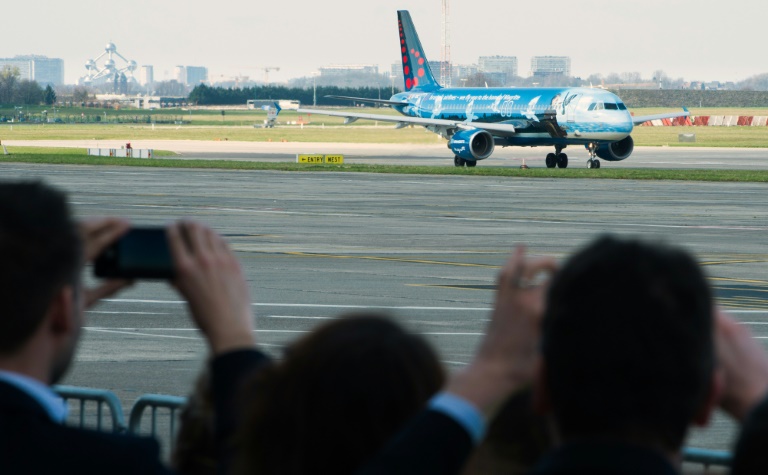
(208, 124)
(68, 157)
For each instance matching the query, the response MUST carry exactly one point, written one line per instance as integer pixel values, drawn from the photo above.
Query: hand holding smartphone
(141, 253)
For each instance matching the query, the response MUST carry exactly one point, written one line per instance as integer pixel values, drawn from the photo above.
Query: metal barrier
(154, 402)
(102, 398)
(706, 457)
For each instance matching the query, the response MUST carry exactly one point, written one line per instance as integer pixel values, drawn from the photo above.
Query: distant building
(146, 75)
(196, 75)
(550, 65)
(345, 69)
(46, 71)
(180, 74)
(498, 64)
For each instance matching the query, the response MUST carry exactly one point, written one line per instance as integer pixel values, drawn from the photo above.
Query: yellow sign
(335, 159)
(309, 158)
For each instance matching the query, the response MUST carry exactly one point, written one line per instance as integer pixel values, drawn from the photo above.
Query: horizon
(685, 39)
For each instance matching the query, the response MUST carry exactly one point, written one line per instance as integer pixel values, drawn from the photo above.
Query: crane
(266, 72)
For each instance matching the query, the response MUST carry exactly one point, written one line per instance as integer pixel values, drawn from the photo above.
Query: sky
(701, 40)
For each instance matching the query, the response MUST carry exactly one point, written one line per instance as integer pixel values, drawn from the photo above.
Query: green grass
(60, 157)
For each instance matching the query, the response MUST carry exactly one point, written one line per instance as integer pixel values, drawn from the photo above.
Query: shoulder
(41, 447)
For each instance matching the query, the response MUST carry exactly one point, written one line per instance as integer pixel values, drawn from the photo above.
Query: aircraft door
(570, 107)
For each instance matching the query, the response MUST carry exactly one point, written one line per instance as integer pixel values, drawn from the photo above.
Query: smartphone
(141, 253)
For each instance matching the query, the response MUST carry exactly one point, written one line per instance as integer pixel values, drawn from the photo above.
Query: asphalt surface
(436, 154)
(425, 249)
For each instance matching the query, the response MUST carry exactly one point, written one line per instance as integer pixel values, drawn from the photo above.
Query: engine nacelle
(472, 144)
(616, 151)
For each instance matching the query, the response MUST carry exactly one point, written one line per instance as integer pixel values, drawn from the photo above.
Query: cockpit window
(611, 106)
(599, 106)
(591, 107)
(622, 107)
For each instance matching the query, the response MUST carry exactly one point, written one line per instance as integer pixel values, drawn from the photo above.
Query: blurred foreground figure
(336, 398)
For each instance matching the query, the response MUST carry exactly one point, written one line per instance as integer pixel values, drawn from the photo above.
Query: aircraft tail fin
(416, 70)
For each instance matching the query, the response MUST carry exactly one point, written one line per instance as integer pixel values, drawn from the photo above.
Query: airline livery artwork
(476, 120)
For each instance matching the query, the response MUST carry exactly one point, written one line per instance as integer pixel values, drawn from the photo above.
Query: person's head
(42, 258)
(339, 395)
(627, 344)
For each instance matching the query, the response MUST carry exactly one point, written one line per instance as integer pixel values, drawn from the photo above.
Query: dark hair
(749, 456)
(516, 439)
(628, 342)
(41, 251)
(340, 394)
(194, 452)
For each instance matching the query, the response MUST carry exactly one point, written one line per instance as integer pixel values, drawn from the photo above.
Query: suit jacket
(603, 458)
(31, 443)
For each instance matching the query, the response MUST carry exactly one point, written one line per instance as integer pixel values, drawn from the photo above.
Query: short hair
(40, 250)
(628, 342)
(338, 396)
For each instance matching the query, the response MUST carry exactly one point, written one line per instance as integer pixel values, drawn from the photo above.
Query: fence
(101, 410)
(170, 407)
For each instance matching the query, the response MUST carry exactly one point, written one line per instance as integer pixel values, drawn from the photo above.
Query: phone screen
(140, 253)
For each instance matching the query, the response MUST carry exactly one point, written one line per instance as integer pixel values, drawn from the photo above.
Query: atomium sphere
(132, 66)
(90, 64)
(110, 48)
(109, 64)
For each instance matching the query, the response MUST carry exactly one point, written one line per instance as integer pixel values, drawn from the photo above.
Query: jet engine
(616, 151)
(474, 144)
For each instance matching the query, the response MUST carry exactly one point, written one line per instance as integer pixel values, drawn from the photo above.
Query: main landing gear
(460, 162)
(592, 162)
(557, 159)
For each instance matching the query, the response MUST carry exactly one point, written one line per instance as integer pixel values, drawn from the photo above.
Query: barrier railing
(153, 402)
(173, 404)
(102, 398)
(706, 457)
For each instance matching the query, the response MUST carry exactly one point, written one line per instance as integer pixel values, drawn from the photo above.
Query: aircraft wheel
(551, 160)
(458, 161)
(471, 163)
(590, 163)
(596, 163)
(562, 160)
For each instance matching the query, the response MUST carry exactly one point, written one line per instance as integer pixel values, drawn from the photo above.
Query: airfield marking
(391, 259)
(313, 305)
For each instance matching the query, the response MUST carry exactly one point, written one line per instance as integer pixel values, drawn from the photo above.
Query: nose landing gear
(592, 162)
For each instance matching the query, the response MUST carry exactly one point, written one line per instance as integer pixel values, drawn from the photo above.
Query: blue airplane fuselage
(585, 115)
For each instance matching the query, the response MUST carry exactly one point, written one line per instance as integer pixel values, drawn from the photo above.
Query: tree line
(207, 95)
(17, 91)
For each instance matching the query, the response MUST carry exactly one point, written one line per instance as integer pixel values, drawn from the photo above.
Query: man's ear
(542, 402)
(712, 398)
(61, 311)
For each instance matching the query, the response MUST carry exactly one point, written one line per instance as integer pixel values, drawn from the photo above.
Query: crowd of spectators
(597, 365)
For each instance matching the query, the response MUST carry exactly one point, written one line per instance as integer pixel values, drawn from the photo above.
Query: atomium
(104, 67)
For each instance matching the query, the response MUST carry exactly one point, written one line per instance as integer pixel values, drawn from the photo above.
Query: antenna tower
(445, 54)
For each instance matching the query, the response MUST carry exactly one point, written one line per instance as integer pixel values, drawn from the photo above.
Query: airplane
(476, 120)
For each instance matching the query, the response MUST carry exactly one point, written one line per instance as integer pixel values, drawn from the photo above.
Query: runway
(425, 249)
(433, 155)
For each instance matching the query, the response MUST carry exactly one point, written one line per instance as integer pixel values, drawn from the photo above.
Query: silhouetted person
(43, 302)
(336, 398)
(628, 358)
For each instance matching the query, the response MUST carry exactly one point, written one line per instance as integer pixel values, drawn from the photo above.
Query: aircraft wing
(403, 121)
(374, 101)
(639, 119)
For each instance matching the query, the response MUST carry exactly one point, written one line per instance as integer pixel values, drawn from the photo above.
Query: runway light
(524, 166)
